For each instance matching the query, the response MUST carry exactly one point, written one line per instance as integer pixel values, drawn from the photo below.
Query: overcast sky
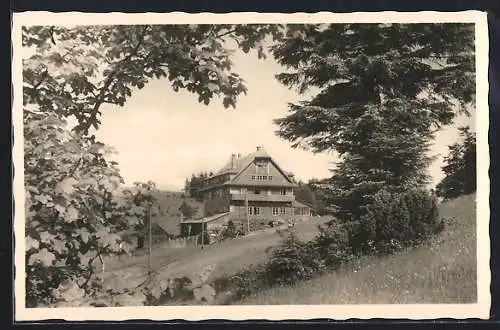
(166, 136)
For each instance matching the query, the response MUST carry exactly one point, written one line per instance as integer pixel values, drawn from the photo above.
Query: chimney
(258, 148)
(233, 157)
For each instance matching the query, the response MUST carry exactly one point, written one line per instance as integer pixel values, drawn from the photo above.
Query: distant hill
(169, 203)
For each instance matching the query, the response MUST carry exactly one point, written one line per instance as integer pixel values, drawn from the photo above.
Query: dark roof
(207, 219)
(297, 203)
(238, 164)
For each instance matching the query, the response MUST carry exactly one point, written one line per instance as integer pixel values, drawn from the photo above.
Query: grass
(169, 203)
(229, 257)
(442, 270)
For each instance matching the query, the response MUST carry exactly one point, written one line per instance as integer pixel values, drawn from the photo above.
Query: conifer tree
(382, 92)
(460, 167)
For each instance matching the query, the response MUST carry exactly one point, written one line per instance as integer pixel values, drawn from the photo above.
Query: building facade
(252, 187)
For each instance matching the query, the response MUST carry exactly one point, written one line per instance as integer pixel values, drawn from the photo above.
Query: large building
(253, 188)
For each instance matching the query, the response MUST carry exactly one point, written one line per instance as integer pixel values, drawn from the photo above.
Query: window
(264, 177)
(261, 163)
(283, 191)
(256, 210)
(270, 177)
(250, 210)
(275, 211)
(282, 210)
(253, 177)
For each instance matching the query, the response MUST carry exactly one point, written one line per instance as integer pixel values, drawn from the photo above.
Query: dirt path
(228, 257)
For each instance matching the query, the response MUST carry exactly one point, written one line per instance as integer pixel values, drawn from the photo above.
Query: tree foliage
(85, 67)
(194, 184)
(76, 205)
(460, 167)
(76, 209)
(305, 194)
(383, 90)
(187, 210)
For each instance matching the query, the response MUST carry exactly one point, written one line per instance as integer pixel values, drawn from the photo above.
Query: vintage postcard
(251, 166)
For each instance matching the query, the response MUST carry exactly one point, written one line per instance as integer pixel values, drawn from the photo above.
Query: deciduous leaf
(66, 186)
(31, 243)
(72, 214)
(45, 257)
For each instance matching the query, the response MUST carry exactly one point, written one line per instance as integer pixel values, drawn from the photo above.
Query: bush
(230, 231)
(394, 221)
(332, 244)
(293, 261)
(242, 284)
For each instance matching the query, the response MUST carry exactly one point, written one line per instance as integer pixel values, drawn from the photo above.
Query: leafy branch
(85, 127)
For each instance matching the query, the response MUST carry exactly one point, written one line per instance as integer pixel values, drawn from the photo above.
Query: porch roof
(206, 219)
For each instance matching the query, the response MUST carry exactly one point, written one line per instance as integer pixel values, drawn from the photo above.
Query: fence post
(202, 233)
(246, 212)
(148, 216)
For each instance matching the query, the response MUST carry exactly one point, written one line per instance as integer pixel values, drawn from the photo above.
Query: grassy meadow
(228, 256)
(442, 270)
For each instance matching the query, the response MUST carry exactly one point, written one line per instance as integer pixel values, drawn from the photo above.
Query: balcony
(263, 197)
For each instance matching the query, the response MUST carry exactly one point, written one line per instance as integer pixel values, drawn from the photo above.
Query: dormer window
(261, 163)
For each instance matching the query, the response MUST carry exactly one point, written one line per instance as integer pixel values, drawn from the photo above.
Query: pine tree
(460, 167)
(384, 89)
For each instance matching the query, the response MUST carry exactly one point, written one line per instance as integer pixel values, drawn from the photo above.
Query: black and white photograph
(250, 166)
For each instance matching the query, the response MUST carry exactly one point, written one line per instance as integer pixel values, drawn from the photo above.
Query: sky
(166, 136)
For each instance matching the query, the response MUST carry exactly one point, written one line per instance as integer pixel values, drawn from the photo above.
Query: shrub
(242, 284)
(293, 261)
(230, 231)
(395, 220)
(332, 244)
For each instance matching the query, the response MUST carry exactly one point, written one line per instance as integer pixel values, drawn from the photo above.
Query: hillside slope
(169, 203)
(440, 271)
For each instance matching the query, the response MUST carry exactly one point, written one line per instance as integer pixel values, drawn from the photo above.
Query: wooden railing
(263, 197)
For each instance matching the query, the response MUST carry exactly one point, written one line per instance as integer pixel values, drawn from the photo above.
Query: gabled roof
(237, 164)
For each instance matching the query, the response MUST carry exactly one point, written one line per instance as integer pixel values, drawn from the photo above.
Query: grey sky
(166, 136)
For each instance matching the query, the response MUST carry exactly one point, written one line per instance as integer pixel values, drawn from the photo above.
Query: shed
(196, 226)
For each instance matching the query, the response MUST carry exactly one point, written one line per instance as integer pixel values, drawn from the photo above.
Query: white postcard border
(282, 312)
